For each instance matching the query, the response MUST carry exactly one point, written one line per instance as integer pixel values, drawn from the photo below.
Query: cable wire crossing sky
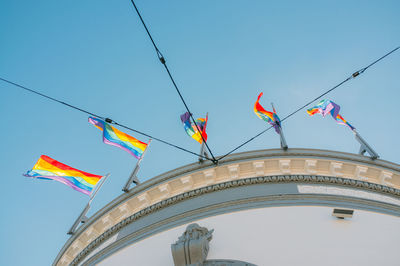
(96, 58)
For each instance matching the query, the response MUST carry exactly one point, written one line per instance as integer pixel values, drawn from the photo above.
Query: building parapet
(236, 167)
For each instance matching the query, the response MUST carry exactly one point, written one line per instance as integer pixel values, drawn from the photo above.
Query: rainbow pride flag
(115, 137)
(50, 169)
(326, 107)
(271, 117)
(191, 129)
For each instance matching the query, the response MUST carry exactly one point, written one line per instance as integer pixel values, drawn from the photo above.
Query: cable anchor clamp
(162, 60)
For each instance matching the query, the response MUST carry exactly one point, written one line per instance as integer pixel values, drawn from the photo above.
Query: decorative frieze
(209, 176)
(384, 177)
(106, 222)
(124, 211)
(284, 166)
(65, 260)
(91, 233)
(76, 247)
(165, 191)
(259, 168)
(372, 172)
(233, 171)
(310, 167)
(335, 168)
(144, 200)
(344, 183)
(360, 172)
(187, 182)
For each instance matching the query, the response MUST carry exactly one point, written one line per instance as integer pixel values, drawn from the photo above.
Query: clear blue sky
(96, 55)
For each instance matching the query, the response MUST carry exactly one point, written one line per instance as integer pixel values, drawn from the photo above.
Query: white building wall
(281, 236)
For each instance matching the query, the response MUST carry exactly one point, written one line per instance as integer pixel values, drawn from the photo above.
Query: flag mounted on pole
(326, 107)
(82, 218)
(115, 137)
(272, 118)
(196, 131)
(49, 169)
(133, 177)
(192, 130)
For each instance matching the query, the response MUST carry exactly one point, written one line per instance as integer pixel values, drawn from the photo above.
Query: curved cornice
(291, 199)
(236, 167)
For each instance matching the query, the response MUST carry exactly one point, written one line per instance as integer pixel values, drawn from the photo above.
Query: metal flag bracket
(82, 218)
(284, 145)
(203, 152)
(365, 147)
(133, 177)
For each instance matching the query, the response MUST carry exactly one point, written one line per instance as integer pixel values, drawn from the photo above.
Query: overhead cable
(352, 76)
(50, 98)
(163, 62)
(108, 120)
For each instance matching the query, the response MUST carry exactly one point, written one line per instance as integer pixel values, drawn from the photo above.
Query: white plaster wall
(281, 236)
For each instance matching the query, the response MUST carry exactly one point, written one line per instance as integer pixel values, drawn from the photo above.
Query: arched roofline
(234, 167)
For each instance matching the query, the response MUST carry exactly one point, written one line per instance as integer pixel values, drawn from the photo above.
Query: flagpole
(82, 218)
(365, 147)
(93, 194)
(203, 151)
(284, 145)
(133, 178)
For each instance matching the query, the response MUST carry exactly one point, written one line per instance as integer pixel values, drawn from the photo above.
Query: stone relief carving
(192, 247)
(227, 263)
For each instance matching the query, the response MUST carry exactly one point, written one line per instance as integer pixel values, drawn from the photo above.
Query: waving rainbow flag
(50, 169)
(271, 117)
(326, 107)
(115, 137)
(191, 129)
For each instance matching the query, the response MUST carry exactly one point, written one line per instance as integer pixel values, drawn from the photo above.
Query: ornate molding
(309, 179)
(233, 167)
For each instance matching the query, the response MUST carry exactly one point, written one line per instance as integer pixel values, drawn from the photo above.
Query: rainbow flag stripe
(50, 169)
(326, 107)
(191, 129)
(271, 117)
(343, 121)
(115, 137)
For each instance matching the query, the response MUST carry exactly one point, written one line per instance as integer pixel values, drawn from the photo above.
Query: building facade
(267, 207)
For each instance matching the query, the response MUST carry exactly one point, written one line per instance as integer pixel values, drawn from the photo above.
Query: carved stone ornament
(192, 247)
(227, 263)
